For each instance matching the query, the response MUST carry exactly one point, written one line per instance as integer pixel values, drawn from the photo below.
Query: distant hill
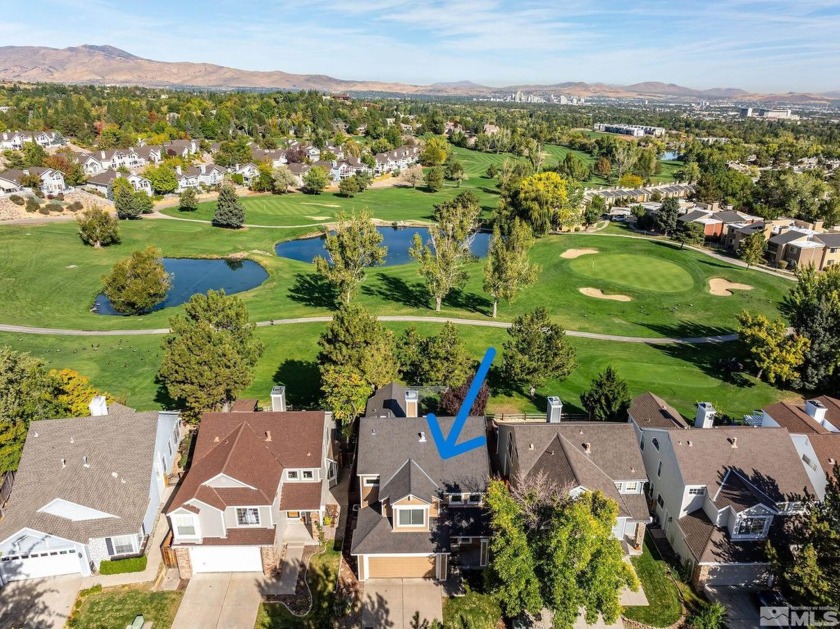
(108, 65)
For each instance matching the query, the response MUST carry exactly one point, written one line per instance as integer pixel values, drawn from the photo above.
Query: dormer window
(475, 499)
(456, 499)
(411, 517)
(308, 475)
(248, 516)
(292, 475)
(754, 526)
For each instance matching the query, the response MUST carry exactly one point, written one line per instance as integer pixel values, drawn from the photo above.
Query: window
(184, 526)
(475, 498)
(642, 444)
(123, 545)
(247, 516)
(455, 499)
(659, 501)
(659, 469)
(371, 482)
(807, 460)
(292, 474)
(655, 443)
(308, 475)
(751, 526)
(631, 487)
(697, 491)
(411, 517)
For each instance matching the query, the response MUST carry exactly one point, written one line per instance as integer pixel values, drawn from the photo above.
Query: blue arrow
(449, 446)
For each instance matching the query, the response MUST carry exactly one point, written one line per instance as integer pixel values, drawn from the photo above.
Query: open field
(682, 374)
(48, 278)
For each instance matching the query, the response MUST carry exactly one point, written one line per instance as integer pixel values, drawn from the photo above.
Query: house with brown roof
(717, 492)
(52, 181)
(579, 457)
(87, 489)
(814, 427)
(258, 481)
(419, 514)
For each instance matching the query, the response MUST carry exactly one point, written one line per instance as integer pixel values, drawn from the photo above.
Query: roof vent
(122, 480)
(35, 433)
(587, 447)
(689, 443)
(268, 435)
(373, 431)
(71, 440)
(85, 461)
(422, 436)
(530, 446)
(734, 441)
(832, 460)
(216, 440)
(114, 474)
(63, 463)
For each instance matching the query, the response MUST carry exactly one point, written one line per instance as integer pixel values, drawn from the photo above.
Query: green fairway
(48, 278)
(682, 374)
(638, 272)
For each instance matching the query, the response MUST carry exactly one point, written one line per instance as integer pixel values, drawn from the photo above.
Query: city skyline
(760, 46)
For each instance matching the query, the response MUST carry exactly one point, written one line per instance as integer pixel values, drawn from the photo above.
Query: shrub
(120, 566)
(54, 206)
(60, 196)
(39, 194)
(17, 199)
(75, 206)
(50, 197)
(44, 210)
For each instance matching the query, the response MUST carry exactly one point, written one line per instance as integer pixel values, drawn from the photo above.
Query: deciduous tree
(752, 248)
(138, 283)
(776, 354)
(413, 175)
(537, 350)
(98, 227)
(441, 261)
(162, 178)
(435, 151)
(188, 200)
(453, 398)
(315, 180)
(283, 179)
(544, 201)
(74, 392)
(210, 355)
(508, 268)
(434, 178)
(352, 247)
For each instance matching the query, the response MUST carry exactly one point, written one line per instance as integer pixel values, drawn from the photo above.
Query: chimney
(587, 447)
(422, 436)
(411, 399)
(98, 406)
(554, 411)
(268, 435)
(734, 441)
(705, 417)
(178, 170)
(278, 398)
(817, 410)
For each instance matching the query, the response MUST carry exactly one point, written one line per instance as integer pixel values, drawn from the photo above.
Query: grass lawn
(322, 575)
(683, 375)
(475, 610)
(116, 607)
(665, 607)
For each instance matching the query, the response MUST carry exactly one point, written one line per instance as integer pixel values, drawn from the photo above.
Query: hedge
(119, 566)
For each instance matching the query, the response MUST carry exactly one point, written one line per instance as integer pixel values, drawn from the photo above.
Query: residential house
(87, 489)
(718, 491)
(103, 183)
(15, 140)
(207, 175)
(579, 457)
(277, 157)
(52, 181)
(716, 223)
(418, 513)
(795, 247)
(258, 481)
(814, 428)
(182, 148)
(249, 172)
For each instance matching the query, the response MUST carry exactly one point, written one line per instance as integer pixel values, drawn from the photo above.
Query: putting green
(639, 272)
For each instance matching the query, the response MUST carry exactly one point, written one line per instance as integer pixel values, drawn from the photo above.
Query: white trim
(196, 525)
(223, 475)
(258, 523)
(423, 510)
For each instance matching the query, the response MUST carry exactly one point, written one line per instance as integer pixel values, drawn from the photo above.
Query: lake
(397, 239)
(191, 276)
(670, 156)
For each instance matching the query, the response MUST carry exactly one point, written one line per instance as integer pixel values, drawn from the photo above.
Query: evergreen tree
(138, 283)
(665, 220)
(536, 351)
(210, 355)
(608, 397)
(690, 234)
(229, 211)
(445, 359)
(434, 178)
(126, 201)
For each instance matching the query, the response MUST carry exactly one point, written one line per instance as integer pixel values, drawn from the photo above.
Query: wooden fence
(6, 489)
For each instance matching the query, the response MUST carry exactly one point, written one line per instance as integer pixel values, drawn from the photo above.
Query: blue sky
(760, 45)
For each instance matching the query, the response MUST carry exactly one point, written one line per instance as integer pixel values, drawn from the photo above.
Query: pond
(192, 275)
(670, 156)
(397, 239)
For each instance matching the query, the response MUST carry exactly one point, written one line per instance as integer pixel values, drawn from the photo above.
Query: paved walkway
(39, 603)
(290, 569)
(692, 340)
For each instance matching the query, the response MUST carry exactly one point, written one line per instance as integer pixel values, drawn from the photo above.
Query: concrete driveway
(392, 603)
(741, 606)
(38, 603)
(222, 601)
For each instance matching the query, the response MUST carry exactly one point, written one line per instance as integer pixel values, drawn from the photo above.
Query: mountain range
(108, 65)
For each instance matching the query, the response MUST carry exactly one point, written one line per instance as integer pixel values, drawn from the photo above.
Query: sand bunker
(723, 288)
(322, 204)
(319, 218)
(571, 254)
(597, 293)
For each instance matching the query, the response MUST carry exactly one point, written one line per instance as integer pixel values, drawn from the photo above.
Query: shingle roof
(120, 443)
(788, 236)
(374, 535)
(388, 400)
(765, 457)
(559, 452)
(409, 480)
(827, 449)
(300, 497)
(651, 411)
(711, 544)
(796, 420)
(829, 240)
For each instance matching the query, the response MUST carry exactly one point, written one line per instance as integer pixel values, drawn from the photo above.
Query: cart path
(697, 340)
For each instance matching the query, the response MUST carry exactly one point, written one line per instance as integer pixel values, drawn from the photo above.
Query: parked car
(771, 598)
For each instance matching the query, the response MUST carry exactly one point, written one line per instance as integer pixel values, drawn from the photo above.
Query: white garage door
(46, 564)
(226, 559)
